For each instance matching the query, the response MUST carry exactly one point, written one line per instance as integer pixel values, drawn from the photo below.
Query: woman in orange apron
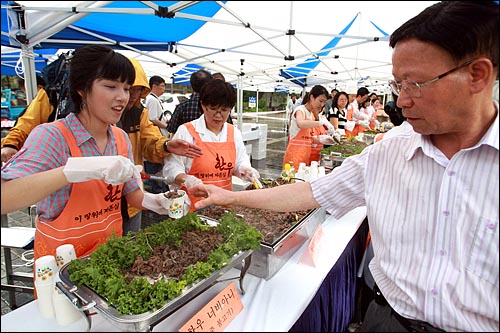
(78, 168)
(306, 127)
(224, 153)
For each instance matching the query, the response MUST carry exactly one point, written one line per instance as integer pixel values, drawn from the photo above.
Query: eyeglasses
(214, 111)
(412, 88)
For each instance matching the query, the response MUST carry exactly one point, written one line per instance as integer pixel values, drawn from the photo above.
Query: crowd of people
(430, 184)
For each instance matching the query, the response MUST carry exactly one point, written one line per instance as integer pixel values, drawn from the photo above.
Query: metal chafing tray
(271, 257)
(85, 298)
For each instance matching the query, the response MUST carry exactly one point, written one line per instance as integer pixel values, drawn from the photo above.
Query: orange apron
(92, 213)
(300, 148)
(216, 165)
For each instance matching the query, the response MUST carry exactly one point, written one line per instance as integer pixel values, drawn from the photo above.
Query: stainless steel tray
(267, 261)
(85, 298)
(271, 257)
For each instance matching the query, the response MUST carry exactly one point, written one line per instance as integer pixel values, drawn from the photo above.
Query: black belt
(410, 324)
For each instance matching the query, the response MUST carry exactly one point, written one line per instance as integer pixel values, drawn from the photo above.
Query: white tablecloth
(269, 306)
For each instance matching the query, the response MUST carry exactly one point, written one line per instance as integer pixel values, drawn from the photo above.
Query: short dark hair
(218, 76)
(316, 91)
(362, 91)
(218, 93)
(155, 79)
(92, 62)
(199, 79)
(465, 29)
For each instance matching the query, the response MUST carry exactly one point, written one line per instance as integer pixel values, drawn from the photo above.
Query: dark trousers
(155, 169)
(380, 317)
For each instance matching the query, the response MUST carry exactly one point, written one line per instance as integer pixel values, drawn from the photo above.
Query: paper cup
(65, 312)
(64, 254)
(175, 206)
(44, 291)
(45, 269)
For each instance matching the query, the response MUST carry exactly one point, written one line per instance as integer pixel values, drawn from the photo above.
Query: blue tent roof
(298, 74)
(161, 33)
(10, 61)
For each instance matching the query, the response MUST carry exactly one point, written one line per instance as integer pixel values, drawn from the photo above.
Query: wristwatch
(165, 146)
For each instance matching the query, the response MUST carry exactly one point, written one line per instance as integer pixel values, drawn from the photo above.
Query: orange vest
(216, 165)
(92, 213)
(300, 148)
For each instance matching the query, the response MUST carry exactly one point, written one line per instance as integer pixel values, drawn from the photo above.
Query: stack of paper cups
(45, 271)
(66, 313)
(64, 254)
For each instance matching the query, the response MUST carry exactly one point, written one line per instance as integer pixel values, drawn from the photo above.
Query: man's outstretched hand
(184, 148)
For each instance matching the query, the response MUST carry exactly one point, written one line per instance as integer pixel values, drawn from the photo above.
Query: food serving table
(287, 301)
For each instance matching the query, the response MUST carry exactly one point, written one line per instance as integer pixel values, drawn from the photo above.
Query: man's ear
(481, 72)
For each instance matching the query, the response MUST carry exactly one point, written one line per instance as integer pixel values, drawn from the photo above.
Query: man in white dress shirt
(431, 194)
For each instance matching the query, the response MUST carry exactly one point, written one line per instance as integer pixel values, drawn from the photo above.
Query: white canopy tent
(250, 42)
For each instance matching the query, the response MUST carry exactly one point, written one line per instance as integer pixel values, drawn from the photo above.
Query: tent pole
(29, 72)
(239, 98)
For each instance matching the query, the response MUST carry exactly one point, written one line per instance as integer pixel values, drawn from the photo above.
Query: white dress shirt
(433, 223)
(155, 110)
(175, 164)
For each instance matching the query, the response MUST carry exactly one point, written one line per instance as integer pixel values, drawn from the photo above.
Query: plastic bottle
(291, 172)
(285, 174)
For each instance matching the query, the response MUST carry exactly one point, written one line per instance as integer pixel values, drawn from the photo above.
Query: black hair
(92, 62)
(362, 91)
(465, 29)
(199, 79)
(316, 91)
(335, 100)
(218, 93)
(155, 79)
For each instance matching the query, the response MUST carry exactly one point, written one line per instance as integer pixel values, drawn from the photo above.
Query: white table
(269, 306)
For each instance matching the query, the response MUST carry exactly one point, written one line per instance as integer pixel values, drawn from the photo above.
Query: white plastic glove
(336, 136)
(349, 125)
(325, 122)
(155, 202)
(137, 176)
(247, 173)
(114, 170)
(191, 181)
(326, 139)
(364, 123)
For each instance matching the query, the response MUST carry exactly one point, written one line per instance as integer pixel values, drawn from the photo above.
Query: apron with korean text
(92, 213)
(216, 165)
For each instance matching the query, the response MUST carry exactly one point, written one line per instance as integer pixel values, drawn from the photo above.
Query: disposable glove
(326, 139)
(349, 125)
(114, 170)
(191, 181)
(323, 121)
(155, 202)
(335, 134)
(247, 173)
(137, 176)
(364, 123)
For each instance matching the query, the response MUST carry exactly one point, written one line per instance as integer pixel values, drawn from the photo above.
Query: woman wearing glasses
(224, 152)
